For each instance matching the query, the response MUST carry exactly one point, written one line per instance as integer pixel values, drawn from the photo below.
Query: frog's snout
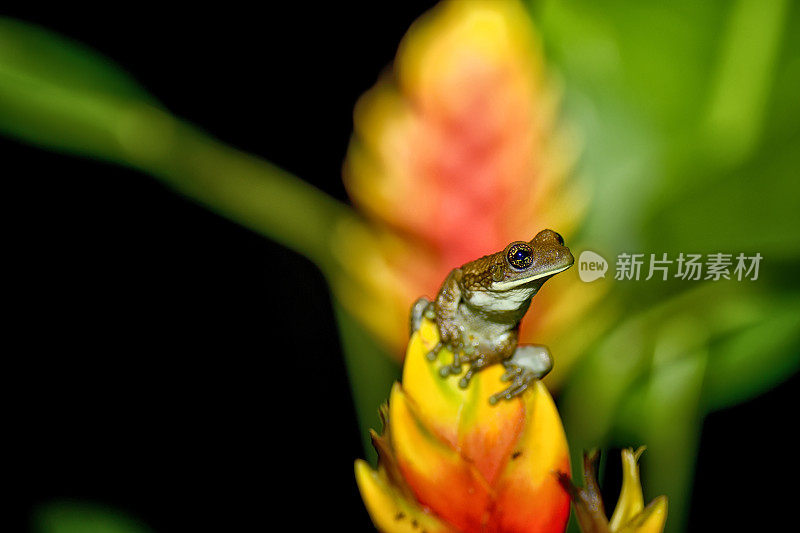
(566, 256)
(553, 242)
(561, 256)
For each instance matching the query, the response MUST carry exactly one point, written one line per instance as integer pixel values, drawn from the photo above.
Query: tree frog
(479, 307)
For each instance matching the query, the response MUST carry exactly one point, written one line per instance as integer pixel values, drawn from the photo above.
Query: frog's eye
(520, 256)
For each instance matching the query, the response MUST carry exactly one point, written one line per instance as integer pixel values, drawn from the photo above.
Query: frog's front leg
(445, 308)
(529, 363)
(444, 312)
(424, 308)
(421, 309)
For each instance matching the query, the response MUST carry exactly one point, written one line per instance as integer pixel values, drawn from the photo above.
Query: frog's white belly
(501, 301)
(488, 317)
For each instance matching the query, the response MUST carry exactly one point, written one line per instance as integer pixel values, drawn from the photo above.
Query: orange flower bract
(454, 155)
(450, 461)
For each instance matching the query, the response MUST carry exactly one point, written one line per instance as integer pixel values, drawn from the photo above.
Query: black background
(172, 365)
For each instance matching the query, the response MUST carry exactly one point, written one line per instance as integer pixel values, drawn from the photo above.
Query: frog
(478, 310)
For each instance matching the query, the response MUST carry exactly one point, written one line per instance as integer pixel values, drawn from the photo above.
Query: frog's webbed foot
(529, 363)
(475, 366)
(461, 354)
(450, 337)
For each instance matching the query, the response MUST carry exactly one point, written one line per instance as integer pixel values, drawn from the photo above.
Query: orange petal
(439, 477)
(483, 433)
(380, 164)
(470, 41)
(390, 511)
(528, 495)
(488, 433)
(459, 134)
(471, 72)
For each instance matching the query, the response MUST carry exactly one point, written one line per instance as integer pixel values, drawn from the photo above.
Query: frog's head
(531, 263)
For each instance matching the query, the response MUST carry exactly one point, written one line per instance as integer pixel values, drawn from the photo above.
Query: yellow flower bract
(466, 464)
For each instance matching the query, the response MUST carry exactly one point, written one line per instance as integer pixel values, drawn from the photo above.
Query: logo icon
(591, 266)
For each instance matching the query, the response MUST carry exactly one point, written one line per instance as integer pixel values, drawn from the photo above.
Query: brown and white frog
(480, 305)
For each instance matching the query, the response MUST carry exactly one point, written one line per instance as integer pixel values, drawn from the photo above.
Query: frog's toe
(434, 353)
(475, 366)
(512, 371)
(529, 363)
(450, 370)
(518, 385)
(455, 367)
(466, 378)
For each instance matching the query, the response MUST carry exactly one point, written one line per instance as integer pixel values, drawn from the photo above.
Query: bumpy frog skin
(479, 307)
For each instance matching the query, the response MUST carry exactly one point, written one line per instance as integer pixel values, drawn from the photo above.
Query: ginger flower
(450, 461)
(630, 515)
(454, 155)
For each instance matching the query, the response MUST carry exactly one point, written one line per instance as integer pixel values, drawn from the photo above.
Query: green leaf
(81, 517)
(744, 76)
(756, 358)
(664, 413)
(58, 93)
(31, 52)
(748, 209)
(61, 95)
(372, 372)
(592, 396)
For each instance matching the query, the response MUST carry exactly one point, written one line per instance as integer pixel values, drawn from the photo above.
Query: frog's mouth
(510, 284)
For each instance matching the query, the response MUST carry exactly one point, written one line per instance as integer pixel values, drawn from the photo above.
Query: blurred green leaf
(747, 210)
(756, 358)
(34, 53)
(664, 412)
(654, 121)
(654, 376)
(58, 93)
(73, 517)
(744, 75)
(590, 400)
(372, 372)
